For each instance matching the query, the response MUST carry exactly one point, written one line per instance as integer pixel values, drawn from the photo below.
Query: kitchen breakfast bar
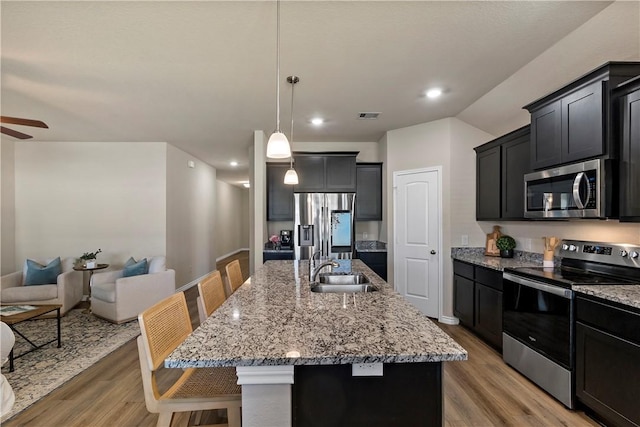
(305, 358)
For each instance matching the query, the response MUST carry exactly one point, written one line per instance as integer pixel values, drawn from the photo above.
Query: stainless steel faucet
(313, 275)
(312, 262)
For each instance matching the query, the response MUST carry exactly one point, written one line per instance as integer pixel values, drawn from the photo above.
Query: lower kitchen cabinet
(407, 395)
(607, 360)
(377, 261)
(477, 300)
(276, 255)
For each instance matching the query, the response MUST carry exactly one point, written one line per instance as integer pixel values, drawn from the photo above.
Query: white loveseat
(119, 299)
(67, 291)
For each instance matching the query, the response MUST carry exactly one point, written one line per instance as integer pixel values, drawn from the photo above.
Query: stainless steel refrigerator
(324, 222)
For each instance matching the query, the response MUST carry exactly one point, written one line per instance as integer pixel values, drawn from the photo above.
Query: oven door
(540, 316)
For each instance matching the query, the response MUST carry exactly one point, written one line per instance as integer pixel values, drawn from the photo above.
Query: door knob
(433, 252)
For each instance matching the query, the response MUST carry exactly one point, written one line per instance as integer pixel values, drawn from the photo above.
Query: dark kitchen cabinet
(279, 194)
(463, 297)
(488, 184)
(407, 395)
(514, 165)
(546, 131)
(377, 261)
(325, 172)
(276, 255)
(369, 192)
(576, 122)
(607, 355)
(629, 136)
(500, 168)
(477, 300)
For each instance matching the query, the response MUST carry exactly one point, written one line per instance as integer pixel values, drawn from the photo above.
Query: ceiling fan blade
(14, 133)
(23, 122)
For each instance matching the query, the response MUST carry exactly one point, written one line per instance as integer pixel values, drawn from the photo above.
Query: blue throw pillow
(38, 274)
(133, 268)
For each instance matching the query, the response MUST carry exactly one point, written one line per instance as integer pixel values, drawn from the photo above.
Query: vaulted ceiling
(202, 75)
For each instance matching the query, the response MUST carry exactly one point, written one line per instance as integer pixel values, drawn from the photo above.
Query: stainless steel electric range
(538, 310)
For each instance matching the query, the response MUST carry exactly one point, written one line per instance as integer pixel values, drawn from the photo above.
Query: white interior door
(417, 227)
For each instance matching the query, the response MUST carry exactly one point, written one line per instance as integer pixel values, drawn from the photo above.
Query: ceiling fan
(21, 122)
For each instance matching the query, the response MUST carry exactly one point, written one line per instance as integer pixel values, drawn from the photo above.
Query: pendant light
(291, 177)
(278, 146)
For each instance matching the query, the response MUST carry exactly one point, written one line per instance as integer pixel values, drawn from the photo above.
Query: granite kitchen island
(280, 336)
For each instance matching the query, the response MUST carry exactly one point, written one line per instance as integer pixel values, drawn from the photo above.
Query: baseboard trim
(449, 320)
(220, 258)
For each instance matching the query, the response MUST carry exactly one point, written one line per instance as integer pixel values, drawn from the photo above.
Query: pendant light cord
(293, 85)
(278, 67)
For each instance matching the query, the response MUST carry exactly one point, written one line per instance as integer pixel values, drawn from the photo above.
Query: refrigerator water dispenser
(305, 235)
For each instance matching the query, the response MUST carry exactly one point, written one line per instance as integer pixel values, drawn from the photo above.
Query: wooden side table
(90, 270)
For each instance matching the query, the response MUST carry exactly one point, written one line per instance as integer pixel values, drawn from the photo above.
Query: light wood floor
(482, 391)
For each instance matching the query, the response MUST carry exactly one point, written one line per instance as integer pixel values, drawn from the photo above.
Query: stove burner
(567, 276)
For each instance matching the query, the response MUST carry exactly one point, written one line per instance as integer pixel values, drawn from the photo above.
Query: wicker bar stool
(234, 275)
(211, 295)
(164, 326)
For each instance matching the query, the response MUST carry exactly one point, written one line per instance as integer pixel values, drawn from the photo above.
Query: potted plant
(88, 259)
(506, 244)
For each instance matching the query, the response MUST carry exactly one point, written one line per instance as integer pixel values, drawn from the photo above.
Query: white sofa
(120, 299)
(67, 291)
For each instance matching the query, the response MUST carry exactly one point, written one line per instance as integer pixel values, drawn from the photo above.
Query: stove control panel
(610, 253)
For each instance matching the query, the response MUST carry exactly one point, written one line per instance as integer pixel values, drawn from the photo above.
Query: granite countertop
(476, 256)
(623, 294)
(278, 250)
(275, 319)
(370, 246)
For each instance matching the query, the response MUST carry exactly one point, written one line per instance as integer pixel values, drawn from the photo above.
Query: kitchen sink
(342, 282)
(343, 278)
(327, 288)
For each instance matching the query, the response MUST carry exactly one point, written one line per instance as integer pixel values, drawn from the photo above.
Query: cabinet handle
(576, 190)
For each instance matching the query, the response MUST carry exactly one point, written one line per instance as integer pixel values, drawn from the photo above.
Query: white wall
(190, 216)
(448, 143)
(257, 198)
(529, 235)
(464, 138)
(232, 219)
(611, 35)
(74, 197)
(7, 207)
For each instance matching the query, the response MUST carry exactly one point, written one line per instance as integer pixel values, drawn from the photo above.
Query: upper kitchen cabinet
(628, 102)
(279, 194)
(369, 192)
(575, 122)
(326, 172)
(500, 168)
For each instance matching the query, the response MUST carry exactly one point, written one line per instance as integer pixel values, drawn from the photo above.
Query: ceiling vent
(368, 116)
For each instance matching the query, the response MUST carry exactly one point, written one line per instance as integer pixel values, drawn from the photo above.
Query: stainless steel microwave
(579, 190)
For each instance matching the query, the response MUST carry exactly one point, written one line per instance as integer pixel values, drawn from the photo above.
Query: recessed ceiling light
(233, 163)
(434, 93)
(317, 121)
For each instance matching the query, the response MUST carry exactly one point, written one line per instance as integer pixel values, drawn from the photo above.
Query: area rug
(85, 340)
